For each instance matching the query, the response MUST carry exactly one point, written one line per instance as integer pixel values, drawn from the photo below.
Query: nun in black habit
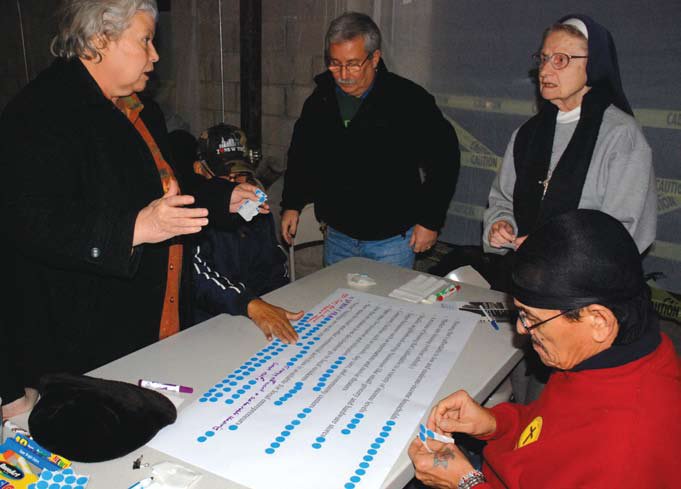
(582, 150)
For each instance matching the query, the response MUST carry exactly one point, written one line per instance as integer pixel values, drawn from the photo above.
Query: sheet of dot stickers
(333, 410)
(65, 479)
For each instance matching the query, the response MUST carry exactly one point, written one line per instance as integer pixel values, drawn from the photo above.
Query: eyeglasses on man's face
(522, 317)
(557, 60)
(351, 67)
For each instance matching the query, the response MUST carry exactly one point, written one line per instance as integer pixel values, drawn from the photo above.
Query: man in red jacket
(609, 415)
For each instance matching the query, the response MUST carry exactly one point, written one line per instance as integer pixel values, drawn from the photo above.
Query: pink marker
(150, 384)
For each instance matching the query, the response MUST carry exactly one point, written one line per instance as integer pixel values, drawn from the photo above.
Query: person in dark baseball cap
(234, 267)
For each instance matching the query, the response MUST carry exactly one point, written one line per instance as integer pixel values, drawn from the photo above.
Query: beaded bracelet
(471, 479)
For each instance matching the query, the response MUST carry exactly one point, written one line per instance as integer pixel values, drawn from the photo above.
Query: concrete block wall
(292, 50)
(38, 29)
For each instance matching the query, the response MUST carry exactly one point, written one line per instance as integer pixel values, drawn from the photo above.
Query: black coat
(234, 267)
(364, 179)
(76, 174)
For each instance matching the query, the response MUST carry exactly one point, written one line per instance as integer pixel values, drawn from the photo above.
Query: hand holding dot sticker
(425, 433)
(249, 209)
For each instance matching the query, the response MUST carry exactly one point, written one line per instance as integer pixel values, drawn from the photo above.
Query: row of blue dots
(214, 396)
(210, 434)
(287, 431)
(302, 323)
(293, 391)
(230, 383)
(352, 424)
(329, 372)
(242, 372)
(292, 361)
(371, 452)
(317, 327)
(318, 442)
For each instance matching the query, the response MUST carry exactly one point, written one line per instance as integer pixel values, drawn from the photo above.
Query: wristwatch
(471, 479)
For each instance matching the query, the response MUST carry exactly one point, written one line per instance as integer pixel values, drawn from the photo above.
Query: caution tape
(467, 211)
(666, 250)
(660, 249)
(668, 186)
(480, 161)
(667, 304)
(657, 118)
(667, 204)
(668, 195)
(475, 154)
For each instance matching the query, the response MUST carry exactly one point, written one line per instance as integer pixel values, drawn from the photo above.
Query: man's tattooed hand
(442, 457)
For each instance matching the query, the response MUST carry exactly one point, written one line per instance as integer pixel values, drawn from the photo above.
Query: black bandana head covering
(575, 259)
(602, 68)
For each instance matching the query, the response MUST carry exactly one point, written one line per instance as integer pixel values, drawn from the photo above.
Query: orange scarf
(131, 106)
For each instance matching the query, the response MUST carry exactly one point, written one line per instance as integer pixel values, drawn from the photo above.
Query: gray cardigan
(620, 180)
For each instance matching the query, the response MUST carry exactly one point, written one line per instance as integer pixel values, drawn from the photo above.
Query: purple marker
(150, 384)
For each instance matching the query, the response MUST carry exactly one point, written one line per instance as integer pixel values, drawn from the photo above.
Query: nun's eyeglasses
(529, 327)
(557, 60)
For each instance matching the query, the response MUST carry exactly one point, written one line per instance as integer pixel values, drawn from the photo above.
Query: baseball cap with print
(224, 150)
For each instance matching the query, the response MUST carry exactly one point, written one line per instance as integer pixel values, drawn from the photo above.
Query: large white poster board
(333, 410)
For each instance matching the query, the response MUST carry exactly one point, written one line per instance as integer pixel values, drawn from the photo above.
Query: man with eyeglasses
(609, 415)
(372, 151)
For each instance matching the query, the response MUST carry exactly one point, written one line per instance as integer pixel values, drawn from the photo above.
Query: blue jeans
(395, 250)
